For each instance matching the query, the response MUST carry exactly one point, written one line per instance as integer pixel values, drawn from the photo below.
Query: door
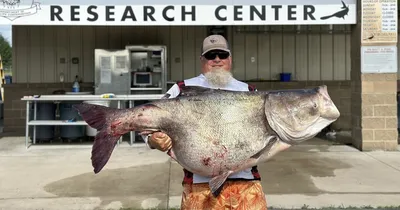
(112, 72)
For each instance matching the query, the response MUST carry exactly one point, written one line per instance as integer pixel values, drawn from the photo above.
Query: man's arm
(171, 93)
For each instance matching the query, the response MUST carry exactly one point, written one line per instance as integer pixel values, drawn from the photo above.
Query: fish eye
(315, 105)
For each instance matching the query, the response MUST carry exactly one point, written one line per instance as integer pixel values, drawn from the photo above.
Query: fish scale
(216, 133)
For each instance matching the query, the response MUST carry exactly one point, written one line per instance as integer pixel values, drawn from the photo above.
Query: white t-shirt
(234, 85)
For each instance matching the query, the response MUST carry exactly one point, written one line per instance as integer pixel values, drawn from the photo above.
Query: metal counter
(58, 98)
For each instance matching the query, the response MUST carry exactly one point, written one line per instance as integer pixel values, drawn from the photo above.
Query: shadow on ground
(291, 173)
(287, 173)
(130, 186)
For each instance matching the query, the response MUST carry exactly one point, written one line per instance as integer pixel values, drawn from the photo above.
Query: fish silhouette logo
(13, 9)
(339, 14)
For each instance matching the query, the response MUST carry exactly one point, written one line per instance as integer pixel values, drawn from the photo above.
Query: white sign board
(379, 21)
(177, 12)
(378, 59)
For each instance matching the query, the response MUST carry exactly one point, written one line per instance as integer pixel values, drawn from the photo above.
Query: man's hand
(160, 141)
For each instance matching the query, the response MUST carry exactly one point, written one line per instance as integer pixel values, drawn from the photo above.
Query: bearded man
(242, 190)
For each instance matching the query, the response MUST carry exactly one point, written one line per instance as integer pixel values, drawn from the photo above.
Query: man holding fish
(216, 126)
(242, 190)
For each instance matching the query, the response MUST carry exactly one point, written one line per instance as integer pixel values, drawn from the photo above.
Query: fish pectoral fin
(216, 183)
(278, 146)
(274, 148)
(271, 141)
(171, 153)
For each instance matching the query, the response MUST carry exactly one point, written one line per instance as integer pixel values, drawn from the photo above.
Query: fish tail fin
(103, 119)
(102, 149)
(217, 183)
(96, 116)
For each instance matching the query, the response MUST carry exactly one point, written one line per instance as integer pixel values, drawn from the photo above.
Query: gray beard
(218, 77)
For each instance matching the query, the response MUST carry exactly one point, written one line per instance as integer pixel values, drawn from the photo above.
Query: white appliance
(131, 70)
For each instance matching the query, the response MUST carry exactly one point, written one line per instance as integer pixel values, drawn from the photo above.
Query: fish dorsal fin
(195, 90)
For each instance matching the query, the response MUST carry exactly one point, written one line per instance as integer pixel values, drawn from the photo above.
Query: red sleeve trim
(252, 87)
(181, 84)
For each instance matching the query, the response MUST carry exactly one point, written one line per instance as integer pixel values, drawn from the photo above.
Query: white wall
(37, 50)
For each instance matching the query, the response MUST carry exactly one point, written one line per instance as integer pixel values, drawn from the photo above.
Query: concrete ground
(315, 174)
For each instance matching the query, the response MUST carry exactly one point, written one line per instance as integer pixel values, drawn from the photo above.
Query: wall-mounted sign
(178, 12)
(378, 59)
(379, 21)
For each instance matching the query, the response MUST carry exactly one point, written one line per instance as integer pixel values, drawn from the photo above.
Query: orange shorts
(238, 195)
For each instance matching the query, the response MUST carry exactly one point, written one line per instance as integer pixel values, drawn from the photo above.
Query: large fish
(217, 132)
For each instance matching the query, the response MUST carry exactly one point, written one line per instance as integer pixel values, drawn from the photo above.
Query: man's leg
(237, 195)
(198, 196)
(248, 195)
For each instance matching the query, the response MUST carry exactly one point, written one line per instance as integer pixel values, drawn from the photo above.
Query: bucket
(89, 130)
(285, 77)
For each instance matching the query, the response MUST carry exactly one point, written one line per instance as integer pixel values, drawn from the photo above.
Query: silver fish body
(216, 133)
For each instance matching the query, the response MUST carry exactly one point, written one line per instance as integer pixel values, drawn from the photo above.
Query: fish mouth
(297, 136)
(328, 109)
(332, 113)
(331, 119)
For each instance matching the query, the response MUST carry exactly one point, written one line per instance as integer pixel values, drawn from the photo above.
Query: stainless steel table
(58, 98)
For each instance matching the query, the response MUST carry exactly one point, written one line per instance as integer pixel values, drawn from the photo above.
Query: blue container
(285, 77)
(67, 113)
(44, 111)
(8, 79)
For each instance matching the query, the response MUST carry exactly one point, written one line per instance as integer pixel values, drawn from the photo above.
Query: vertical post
(374, 76)
(27, 124)
(34, 118)
(119, 107)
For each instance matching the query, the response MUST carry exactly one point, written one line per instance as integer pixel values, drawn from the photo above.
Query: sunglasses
(213, 54)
